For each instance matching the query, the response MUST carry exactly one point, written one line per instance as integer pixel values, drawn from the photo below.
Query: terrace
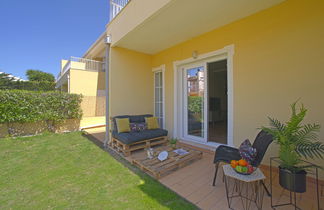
(194, 182)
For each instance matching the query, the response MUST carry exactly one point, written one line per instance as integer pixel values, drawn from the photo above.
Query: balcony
(81, 64)
(116, 6)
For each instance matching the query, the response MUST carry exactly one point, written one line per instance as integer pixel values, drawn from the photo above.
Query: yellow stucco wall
(83, 82)
(278, 59)
(101, 81)
(78, 65)
(131, 82)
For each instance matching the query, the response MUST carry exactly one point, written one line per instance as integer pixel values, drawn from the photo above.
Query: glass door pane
(195, 101)
(158, 99)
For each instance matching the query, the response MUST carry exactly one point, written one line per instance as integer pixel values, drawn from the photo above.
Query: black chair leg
(216, 170)
(266, 189)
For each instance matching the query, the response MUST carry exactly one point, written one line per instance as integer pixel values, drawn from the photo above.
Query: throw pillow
(141, 126)
(247, 152)
(152, 123)
(133, 127)
(122, 125)
(137, 127)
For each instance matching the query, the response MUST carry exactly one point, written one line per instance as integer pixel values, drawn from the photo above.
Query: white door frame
(225, 53)
(155, 70)
(185, 102)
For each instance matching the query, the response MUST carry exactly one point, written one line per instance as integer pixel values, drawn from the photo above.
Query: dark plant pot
(294, 182)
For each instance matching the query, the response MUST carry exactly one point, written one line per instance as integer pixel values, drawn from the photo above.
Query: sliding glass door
(195, 106)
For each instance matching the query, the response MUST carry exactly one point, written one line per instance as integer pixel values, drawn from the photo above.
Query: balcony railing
(116, 6)
(81, 64)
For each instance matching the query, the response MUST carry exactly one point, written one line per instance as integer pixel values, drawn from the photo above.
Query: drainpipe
(107, 42)
(68, 77)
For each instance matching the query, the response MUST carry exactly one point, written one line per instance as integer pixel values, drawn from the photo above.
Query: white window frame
(225, 53)
(160, 69)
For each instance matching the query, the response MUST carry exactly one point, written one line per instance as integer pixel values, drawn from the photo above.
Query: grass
(67, 171)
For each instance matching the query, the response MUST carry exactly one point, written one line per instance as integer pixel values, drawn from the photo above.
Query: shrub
(28, 85)
(32, 106)
(195, 104)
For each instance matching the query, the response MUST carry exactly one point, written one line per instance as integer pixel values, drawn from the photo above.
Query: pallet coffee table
(157, 168)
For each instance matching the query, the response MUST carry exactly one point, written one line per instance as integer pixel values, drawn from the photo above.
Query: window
(159, 95)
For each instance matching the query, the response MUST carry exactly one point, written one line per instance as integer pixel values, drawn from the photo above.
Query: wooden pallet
(157, 168)
(126, 149)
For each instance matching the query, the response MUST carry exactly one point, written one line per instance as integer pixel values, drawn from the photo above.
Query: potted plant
(296, 141)
(173, 143)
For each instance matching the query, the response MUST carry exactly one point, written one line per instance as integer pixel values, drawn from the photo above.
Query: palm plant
(296, 140)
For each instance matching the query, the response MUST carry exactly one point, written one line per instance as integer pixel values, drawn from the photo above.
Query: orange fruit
(242, 162)
(234, 163)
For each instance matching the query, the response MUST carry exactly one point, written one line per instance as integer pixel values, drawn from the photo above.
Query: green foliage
(296, 140)
(38, 81)
(31, 106)
(173, 141)
(195, 104)
(5, 80)
(28, 85)
(39, 76)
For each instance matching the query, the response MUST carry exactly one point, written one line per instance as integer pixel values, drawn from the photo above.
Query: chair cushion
(247, 152)
(123, 125)
(132, 137)
(152, 123)
(226, 154)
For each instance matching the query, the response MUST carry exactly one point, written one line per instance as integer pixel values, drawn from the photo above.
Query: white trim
(175, 100)
(93, 45)
(184, 96)
(225, 53)
(162, 70)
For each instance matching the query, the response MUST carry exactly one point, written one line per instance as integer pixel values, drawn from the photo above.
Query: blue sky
(37, 34)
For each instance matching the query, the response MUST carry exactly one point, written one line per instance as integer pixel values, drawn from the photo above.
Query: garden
(67, 171)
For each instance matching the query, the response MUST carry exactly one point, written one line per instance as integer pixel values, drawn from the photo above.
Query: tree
(6, 81)
(39, 76)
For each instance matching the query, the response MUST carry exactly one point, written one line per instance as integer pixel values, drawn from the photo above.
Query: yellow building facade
(271, 52)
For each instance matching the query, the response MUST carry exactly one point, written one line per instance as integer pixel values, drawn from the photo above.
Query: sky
(37, 34)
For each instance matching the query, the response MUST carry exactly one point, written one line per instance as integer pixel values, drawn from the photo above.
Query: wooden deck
(194, 183)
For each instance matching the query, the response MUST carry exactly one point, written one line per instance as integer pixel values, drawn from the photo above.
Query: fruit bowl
(245, 173)
(242, 167)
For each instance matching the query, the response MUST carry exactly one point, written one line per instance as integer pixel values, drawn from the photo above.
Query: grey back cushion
(132, 119)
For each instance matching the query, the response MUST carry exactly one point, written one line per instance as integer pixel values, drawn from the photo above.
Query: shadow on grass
(153, 188)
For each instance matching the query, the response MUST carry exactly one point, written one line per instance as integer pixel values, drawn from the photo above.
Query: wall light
(195, 54)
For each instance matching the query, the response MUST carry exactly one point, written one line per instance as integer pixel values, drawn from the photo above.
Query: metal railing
(116, 6)
(82, 64)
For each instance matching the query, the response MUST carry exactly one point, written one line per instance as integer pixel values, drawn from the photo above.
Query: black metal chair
(226, 153)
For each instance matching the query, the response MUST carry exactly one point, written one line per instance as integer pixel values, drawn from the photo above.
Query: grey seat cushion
(132, 137)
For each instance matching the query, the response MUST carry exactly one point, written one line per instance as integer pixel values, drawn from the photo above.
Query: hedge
(33, 106)
(29, 85)
(195, 104)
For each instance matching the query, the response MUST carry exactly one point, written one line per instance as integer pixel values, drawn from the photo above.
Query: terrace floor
(92, 121)
(194, 183)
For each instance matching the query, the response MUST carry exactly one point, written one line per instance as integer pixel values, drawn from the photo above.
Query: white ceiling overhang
(181, 20)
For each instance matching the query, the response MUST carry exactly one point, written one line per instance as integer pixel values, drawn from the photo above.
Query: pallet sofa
(127, 142)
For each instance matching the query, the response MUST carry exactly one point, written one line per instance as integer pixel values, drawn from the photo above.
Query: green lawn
(60, 171)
